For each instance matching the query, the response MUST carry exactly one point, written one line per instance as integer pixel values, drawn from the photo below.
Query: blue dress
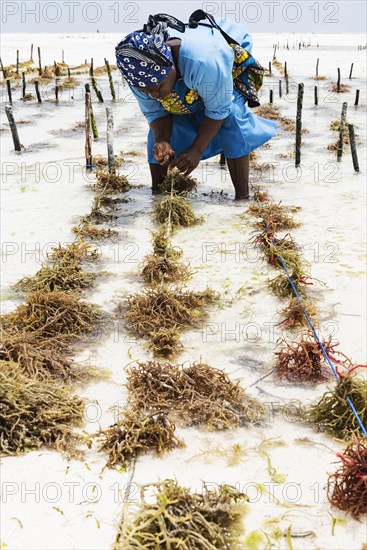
(206, 88)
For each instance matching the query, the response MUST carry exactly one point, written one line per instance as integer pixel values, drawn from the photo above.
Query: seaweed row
(38, 338)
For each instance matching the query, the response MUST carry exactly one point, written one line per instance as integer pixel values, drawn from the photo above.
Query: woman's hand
(163, 152)
(187, 161)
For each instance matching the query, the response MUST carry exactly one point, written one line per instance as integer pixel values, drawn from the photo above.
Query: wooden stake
(280, 88)
(36, 85)
(91, 69)
(275, 52)
(357, 98)
(271, 96)
(353, 148)
(287, 85)
(31, 58)
(110, 155)
(317, 67)
(351, 71)
(316, 95)
(113, 93)
(69, 74)
(341, 131)
(5, 76)
(270, 67)
(39, 62)
(62, 57)
(23, 85)
(56, 91)
(338, 83)
(88, 134)
(95, 88)
(17, 69)
(8, 86)
(13, 128)
(285, 69)
(92, 117)
(299, 123)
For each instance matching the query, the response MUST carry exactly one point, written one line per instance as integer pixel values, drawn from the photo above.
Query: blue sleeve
(214, 83)
(151, 108)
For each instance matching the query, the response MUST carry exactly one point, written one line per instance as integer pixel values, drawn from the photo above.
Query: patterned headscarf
(143, 58)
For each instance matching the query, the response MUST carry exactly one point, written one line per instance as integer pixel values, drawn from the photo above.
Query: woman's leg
(157, 172)
(239, 170)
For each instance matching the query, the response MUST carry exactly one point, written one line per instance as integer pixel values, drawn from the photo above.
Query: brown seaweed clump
(77, 251)
(347, 487)
(87, 230)
(178, 182)
(43, 358)
(162, 245)
(50, 314)
(303, 361)
(175, 210)
(159, 269)
(134, 434)
(294, 313)
(333, 414)
(197, 394)
(65, 276)
(154, 311)
(274, 216)
(178, 518)
(36, 413)
(282, 288)
(111, 183)
(260, 195)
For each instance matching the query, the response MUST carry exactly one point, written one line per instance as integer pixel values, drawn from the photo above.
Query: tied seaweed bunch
(162, 245)
(274, 216)
(303, 361)
(181, 519)
(43, 358)
(197, 394)
(51, 314)
(87, 230)
(178, 182)
(111, 183)
(294, 313)
(36, 413)
(347, 487)
(280, 252)
(135, 434)
(282, 287)
(160, 313)
(78, 251)
(175, 210)
(333, 415)
(260, 194)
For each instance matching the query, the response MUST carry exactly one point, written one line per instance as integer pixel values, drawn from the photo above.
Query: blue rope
(350, 402)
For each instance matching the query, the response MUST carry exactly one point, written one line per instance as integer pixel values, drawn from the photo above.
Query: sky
(71, 16)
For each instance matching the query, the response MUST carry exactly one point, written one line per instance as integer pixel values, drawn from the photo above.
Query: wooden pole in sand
(31, 58)
(17, 69)
(301, 88)
(353, 148)
(13, 128)
(275, 52)
(113, 93)
(8, 87)
(36, 85)
(287, 85)
(62, 57)
(24, 84)
(88, 133)
(271, 97)
(341, 131)
(357, 98)
(317, 67)
(110, 155)
(92, 117)
(316, 95)
(56, 90)
(285, 69)
(69, 73)
(39, 61)
(280, 89)
(338, 83)
(270, 67)
(351, 71)
(3, 70)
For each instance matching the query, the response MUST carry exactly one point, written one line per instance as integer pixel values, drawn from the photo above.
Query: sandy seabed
(51, 503)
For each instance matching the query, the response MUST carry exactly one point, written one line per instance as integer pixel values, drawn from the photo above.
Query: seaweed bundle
(178, 182)
(158, 269)
(181, 519)
(158, 314)
(197, 394)
(333, 415)
(35, 413)
(274, 216)
(303, 361)
(162, 245)
(52, 313)
(64, 275)
(281, 285)
(260, 195)
(87, 230)
(280, 252)
(42, 358)
(294, 315)
(175, 210)
(77, 251)
(136, 433)
(347, 487)
(111, 182)
(97, 216)
(101, 162)
(110, 202)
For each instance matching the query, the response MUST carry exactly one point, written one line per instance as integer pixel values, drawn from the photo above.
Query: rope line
(349, 400)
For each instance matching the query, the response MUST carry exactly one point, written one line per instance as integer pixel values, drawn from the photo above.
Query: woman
(184, 86)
